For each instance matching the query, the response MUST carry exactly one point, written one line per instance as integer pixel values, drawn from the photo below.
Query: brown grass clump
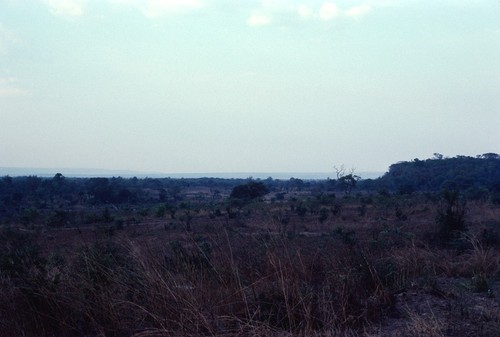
(481, 259)
(424, 326)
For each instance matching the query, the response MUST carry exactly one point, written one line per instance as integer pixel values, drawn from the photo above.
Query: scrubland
(301, 264)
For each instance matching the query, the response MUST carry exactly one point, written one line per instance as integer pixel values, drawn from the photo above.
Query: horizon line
(96, 172)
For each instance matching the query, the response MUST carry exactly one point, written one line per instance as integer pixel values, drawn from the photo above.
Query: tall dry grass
(228, 281)
(239, 286)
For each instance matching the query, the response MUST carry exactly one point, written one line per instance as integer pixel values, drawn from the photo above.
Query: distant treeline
(26, 198)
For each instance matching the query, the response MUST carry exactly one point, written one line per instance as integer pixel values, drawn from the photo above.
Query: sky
(246, 86)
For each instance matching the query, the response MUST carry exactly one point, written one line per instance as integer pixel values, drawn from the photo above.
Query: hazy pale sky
(246, 86)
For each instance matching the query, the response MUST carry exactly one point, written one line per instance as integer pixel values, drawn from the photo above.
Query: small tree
(451, 215)
(347, 182)
(242, 194)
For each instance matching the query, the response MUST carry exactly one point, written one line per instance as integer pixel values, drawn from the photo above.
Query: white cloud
(358, 11)
(324, 11)
(305, 11)
(270, 9)
(9, 87)
(263, 15)
(278, 5)
(66, 8)
(258, 19)
(383, 3)
(159, 8)
(329, 11)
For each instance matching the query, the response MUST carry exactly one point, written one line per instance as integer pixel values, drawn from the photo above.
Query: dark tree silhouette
(249, 191)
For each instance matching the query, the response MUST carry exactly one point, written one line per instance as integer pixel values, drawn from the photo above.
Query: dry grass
(481, 259)
(424, 325)
(250, 280)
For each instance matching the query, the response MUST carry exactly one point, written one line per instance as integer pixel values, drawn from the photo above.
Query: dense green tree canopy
(467, 174)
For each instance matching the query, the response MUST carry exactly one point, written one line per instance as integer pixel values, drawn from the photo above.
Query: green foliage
(348, 182)
(249, 190)
(252, 190)
(35, 201)
(264, 265)
(219, 279)
(474, 177)
(29, 215)
(160, 211)
(347, 237)
(106, 216)
(59, 218)
(451, 215)
(323, 214)
(96, 263)
(19, 255)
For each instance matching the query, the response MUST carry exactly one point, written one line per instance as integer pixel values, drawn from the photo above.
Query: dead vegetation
(353, 266)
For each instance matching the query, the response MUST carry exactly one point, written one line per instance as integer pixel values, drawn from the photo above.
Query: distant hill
(468, 174)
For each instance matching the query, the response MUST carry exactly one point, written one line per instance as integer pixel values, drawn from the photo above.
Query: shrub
(451, 215)
(249, 191)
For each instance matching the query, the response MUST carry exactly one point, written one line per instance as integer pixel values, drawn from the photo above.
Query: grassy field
(304, 265)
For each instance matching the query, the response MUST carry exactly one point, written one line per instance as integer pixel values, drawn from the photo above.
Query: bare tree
(346, 181)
